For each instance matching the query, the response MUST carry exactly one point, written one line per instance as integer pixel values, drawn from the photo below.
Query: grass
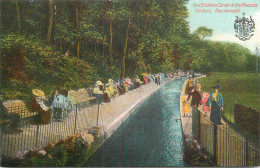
(241, 88)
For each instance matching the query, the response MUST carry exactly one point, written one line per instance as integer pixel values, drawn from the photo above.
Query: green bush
(28, 63)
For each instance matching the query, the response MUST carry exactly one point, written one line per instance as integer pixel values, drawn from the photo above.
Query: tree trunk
(125, 47)
(111, 42)
(54, 41)
(18, 15)
(50, 22)
(77, 28)
(147, 8)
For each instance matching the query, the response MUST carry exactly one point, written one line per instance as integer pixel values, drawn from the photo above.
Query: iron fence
(225, 145)
(24, 130)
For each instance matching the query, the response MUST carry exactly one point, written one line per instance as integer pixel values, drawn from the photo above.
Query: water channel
(151, 136)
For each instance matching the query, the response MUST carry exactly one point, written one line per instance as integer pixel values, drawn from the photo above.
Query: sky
(223, 23)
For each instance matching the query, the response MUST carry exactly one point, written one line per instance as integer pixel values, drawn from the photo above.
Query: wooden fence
(226, 146)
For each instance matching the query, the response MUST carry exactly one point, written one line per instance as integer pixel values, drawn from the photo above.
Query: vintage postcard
(129, 83)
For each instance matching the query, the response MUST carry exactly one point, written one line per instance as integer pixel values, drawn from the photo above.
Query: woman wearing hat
(137, 82)
(38, 105)
(196, 96)
(215, 101)
(110, 87)
(98, 91)
(145, 77)
(197, 86)
(188, 87)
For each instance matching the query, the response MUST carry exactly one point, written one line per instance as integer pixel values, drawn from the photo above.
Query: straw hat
(145, 74)
(98, 83)
(38, 92)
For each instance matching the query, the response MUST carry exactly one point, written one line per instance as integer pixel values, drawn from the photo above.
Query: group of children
(193, 90)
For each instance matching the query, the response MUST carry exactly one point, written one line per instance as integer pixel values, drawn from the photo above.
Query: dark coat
(196, 98)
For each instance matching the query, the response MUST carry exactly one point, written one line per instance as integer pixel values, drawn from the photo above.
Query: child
(185, 106)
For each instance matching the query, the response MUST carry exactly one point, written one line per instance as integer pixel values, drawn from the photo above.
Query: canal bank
(151, 136)
(186, 121)
(92, 128)
(194, 153)
(111, 125)
(112, 115)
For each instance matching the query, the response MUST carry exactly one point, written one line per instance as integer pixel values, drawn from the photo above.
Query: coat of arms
(244, 27)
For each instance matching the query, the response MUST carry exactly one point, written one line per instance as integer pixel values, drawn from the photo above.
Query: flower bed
(72, 151)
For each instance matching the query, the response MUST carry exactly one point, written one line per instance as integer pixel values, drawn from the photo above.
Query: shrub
(29, 63)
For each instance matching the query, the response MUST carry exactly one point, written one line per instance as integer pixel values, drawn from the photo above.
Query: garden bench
(19, 107)
(14, 113)
(82, 95)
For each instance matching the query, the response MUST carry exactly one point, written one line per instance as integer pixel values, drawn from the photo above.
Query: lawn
(241, 88)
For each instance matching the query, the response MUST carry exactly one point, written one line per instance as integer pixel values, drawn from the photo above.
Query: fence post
(184, 146)
(215, 143)
(98, 114)
(246, 149)
(76, 119)
(198, 124)
(37, 132)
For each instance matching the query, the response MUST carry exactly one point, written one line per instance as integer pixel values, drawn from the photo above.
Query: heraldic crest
(244, 27)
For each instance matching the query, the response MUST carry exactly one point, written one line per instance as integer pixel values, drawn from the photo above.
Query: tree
(18, 15)
(126, 41)
(117, 38)
(50, 15)
(203, 32)
(109, 16)
(77, 27)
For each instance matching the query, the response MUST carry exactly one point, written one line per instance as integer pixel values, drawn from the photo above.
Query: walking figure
(216, 103)
(196, 95)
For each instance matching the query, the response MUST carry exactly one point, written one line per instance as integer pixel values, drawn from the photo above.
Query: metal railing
(24, 131)
(226, 146)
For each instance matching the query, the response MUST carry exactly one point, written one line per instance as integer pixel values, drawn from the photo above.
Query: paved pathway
(187, 121)
(111, 116)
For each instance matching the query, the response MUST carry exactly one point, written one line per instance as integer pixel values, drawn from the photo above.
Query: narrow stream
(151, 136)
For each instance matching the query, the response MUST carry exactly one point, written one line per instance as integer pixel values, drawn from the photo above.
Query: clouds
(230, 37)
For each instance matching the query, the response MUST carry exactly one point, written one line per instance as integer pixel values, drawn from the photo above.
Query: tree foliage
(203, 32)
(105, 39)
